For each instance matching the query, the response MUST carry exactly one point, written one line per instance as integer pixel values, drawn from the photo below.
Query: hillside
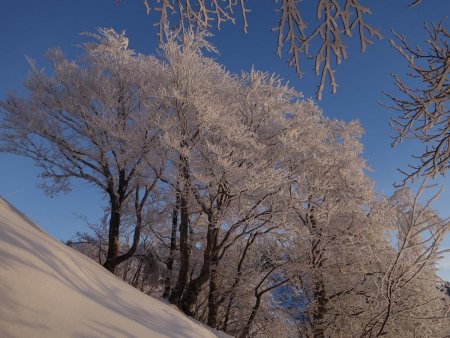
(49, 290)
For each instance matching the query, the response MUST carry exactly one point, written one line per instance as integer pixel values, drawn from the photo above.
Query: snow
(50, 290)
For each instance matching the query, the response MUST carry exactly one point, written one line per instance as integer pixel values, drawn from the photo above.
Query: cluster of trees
(421, 104)
(230, 195)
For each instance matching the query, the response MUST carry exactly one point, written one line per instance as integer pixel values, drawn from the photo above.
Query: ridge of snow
(50, 290)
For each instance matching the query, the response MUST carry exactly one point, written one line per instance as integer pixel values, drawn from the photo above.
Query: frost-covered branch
(423, 102)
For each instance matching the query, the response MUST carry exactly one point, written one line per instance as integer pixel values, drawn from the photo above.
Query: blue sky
(31, 27)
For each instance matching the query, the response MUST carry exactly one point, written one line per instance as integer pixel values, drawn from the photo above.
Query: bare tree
(423, 105)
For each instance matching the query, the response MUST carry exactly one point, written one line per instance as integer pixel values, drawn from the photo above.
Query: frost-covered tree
(422, 106)
(230, 195)
(328, 196)
(405, 299)
(86, 121)
(222, 174)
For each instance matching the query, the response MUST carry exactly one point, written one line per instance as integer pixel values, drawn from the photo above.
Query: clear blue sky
(31, 27)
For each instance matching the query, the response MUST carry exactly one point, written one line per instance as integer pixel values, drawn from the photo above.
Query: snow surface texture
(50, 290)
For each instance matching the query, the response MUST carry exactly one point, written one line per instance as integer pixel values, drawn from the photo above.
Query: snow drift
(49, 290)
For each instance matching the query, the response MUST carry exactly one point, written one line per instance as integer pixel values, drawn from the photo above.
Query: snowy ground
(49, 290)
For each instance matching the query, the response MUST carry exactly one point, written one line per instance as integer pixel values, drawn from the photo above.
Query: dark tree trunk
(180, 285)
(213, 297)
(228, 312)
(319, 313)
(116, 198)
(319, 286)
(113, 258)
(250, 320)
(113, 237)
(195, 286)
(173, 247)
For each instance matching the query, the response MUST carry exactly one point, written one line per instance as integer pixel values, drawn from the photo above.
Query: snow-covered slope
(49, 290)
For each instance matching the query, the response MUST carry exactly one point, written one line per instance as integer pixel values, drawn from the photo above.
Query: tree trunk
(173, 247)
(319, 313)
(319, 286)
(213, 297)
(236, 281)
(250, 320)
(195, 286)
(227, 313)
(180, 285)
(113, 237)
(113, 258)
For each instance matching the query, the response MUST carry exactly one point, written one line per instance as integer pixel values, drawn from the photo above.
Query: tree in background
(405, 299)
